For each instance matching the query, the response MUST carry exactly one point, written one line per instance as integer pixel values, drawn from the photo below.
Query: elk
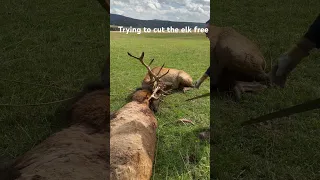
(76, 152)
(133, 133)
(175, 79)
(237, 63)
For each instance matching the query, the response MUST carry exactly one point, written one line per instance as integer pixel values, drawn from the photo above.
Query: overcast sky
(171, 10)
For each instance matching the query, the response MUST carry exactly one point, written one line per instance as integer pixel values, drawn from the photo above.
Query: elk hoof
(185, 89)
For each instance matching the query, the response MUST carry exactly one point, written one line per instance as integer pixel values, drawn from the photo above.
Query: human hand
(279, 72)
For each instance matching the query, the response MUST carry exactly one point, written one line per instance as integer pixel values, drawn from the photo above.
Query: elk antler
(158, 85)
(153, 95)
(155, 78)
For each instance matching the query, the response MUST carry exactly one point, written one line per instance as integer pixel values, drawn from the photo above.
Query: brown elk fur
(77, 152)
(172, 78)
(133, 139)
(176, 79)
(235, 51)
(237, 61)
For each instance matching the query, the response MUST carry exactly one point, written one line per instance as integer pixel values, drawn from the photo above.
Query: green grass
(289, 148)
(57, 43)
(180, 154)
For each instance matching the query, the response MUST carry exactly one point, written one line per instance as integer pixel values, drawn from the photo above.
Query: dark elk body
(76, 152)
(237, 62)
(79, 151)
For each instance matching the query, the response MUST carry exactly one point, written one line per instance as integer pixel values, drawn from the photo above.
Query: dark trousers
(313, 33)
(208, 71)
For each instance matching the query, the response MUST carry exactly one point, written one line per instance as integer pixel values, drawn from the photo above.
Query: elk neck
(141, 96)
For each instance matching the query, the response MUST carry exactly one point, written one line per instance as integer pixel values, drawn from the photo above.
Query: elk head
(156, 86)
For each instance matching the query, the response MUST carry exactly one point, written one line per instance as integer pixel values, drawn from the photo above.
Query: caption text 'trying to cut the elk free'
(170, 29)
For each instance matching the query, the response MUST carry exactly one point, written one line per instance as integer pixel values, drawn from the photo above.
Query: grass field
(286, 149)
(180, 154)
(59, 46)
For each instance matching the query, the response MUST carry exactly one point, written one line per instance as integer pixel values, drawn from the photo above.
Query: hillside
(120, 20)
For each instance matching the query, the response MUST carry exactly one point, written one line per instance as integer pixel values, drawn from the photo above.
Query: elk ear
(141, 96)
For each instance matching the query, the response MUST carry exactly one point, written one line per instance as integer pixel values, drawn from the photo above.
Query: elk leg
(242, 87)
(251, 86)
(264, 79)
(168, 85)
(184, 89)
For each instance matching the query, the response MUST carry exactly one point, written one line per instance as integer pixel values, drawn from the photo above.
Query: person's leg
(289, 60)
(313, 33)
(202, 78)
(208, 72)
(214, 72)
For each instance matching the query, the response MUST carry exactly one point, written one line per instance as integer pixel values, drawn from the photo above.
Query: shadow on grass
(62, 116)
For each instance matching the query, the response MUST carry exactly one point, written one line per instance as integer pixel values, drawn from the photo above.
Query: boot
(289, 60)
(200, 81)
